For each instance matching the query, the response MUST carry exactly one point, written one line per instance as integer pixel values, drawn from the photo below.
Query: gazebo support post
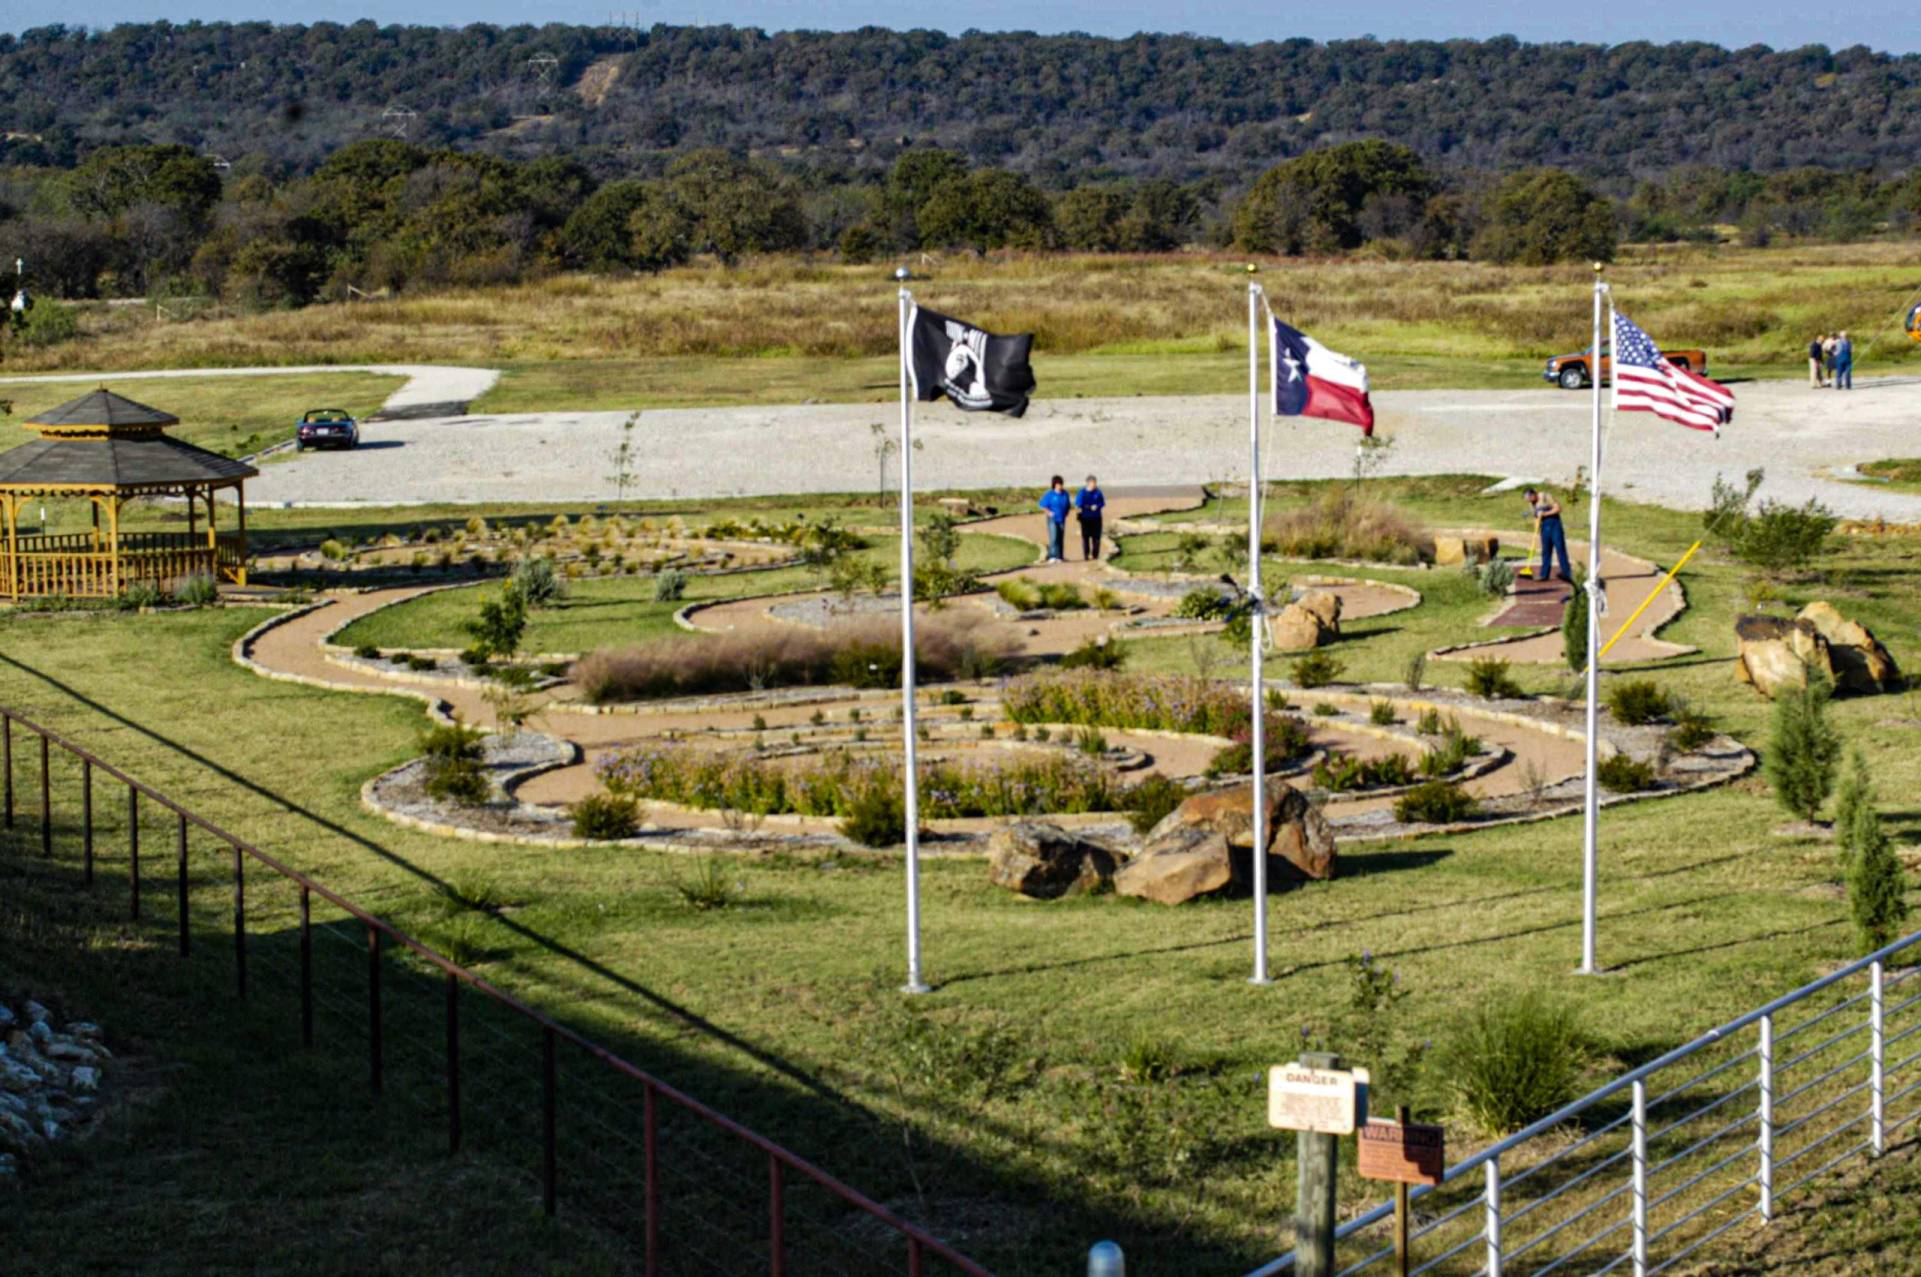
(193, 515)
(240, 502)
(12, 505)
(113, 546)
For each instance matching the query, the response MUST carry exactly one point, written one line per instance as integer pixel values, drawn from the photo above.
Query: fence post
(1878, 1055)
(46, 798)
(650, 1144)
(913, 1257)
(1640, 1157)
(777, 1220)
(373, 1008)
(549, 1084)
(1764, 1140)
(453, 1063)
(86, 821)
(180, 877)
(1493, 1227)
(306, 966)
(239, 915)
(133, 848)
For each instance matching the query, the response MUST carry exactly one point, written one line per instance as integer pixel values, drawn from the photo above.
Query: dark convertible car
(327, 428)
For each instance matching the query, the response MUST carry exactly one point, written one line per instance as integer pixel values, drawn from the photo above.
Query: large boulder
(1298, 628)
(1207, 844)
(1452, 551)
(1859, 661)
(1325, 604)
(1046, 862)
(1777, 653)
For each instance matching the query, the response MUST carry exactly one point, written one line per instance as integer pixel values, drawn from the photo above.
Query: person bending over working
(1553, 535)
(1056, 503)
(1090, 501)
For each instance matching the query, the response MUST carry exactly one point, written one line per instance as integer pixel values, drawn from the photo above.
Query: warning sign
(1413, 1153)
(1325, 1101)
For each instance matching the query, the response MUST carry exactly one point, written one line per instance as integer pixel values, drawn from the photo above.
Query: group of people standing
(1831, 362)
(1059, 503)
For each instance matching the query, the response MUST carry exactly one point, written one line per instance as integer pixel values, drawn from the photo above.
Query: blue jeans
(1056, 528)
(1553, 545)
(1844, 376)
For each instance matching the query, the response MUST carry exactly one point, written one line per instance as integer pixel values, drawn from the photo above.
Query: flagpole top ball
(1253, 269)
(902, 274)
(1599, 267)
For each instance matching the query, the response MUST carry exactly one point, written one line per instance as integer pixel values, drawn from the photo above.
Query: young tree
(498, 629)
(1877, 885)
(1854, 792)
(1542, 216)
(1574, 630)
(1803, 748)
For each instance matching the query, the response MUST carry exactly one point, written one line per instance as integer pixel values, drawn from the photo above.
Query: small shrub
(1381, 714)
(1061, 596)
(1495, 577)
(1338, 524)
(1090, 741)
(421, 663)
(198, 590)
(711, 886)
(1803, 749)
(367, 652)
(1489, 679)
(1574, 630)
(538, 583)
(1277, 701)
(1317, 668)
(1877, 885)
(455, 740)
(1620, 774)
(1106, 600)
(967, 714)
(669, 585)
(457, 780)
(333, 551)
(876, 816)
(476, 658)
(1415, 675)
(1207, 604)
(953, 696)
(1019, 594)
(1326, 709)
(141, 594)
(1637, 701)
(1435, 802)
(48, 323)
(1692, 729)
(1098, 653)
(501, 624)
(1516, 1060)
(1152, 800)
(605, 817)
(1430, 722)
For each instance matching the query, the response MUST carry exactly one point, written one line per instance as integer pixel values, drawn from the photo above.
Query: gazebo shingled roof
(105, 409)
(157, 462)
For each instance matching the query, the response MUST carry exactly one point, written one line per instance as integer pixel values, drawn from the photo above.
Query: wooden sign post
(1320, 1101)
(1405, 1153)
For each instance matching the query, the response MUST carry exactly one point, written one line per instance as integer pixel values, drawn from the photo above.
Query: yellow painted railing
(159, 559)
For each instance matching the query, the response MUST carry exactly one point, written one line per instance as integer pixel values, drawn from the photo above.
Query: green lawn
(230, 415)
(1001, 1099)
(610, 611)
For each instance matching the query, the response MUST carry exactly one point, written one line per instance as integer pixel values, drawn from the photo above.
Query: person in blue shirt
(1843, 363)
(1553, 535)
(1057, 503)
(1090, 501)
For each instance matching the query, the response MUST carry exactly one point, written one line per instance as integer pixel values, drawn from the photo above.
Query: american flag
(1644, 381)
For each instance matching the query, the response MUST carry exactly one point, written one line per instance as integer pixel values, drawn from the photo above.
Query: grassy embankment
(1007, 1096)
(786, 331)
(230, 415)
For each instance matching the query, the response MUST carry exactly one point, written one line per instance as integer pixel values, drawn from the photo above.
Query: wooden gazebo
(110, 450)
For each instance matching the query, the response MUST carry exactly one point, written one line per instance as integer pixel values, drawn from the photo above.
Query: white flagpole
(1257, 742)
(1592, 807)
(911, 775)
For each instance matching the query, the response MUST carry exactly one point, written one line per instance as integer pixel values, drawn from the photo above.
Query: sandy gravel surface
(1799, 434)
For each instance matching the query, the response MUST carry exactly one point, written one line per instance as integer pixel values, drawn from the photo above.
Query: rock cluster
(49, 1080)
(1308, 622)
(1206, 845)
(1779, 652)
(1452, 551)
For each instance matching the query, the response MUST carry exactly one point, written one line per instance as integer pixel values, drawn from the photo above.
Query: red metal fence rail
(784, 1171)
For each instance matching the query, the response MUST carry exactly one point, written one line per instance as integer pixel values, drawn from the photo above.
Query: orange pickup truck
(1572, 372)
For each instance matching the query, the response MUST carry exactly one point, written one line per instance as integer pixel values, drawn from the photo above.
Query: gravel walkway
(1800, 435)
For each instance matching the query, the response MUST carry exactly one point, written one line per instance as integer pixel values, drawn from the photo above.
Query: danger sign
(1404, 1153)
(1324, 1101)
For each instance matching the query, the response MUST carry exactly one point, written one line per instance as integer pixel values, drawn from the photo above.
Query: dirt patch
(599, 77)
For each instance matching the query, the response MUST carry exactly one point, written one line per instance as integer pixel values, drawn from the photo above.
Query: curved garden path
(1630, 581)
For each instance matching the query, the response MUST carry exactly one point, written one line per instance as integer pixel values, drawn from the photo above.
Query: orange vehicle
(1573, 372)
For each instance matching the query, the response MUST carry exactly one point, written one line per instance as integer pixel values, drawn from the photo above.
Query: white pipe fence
(1641, 1173)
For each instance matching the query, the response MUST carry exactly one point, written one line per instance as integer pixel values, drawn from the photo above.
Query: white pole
(1257, 740)
(911, 774)
(1592, 807)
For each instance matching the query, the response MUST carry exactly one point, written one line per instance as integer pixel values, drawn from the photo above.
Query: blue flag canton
(1632, 346)
(1290, 370)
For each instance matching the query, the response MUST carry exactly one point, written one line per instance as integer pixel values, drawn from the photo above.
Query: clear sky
(1879, 24)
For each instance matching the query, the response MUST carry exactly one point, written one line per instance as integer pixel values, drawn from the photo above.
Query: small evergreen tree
(1854, 792)
(1574, 630)
(1877, 885)
(498, 629)
(1803, 748)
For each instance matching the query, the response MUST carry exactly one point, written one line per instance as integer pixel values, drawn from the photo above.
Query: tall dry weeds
(1338, 524)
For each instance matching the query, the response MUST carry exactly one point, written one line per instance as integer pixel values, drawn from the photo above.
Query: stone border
(439, 710)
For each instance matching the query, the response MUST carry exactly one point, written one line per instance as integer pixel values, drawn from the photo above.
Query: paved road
(1798, 434)
(428, 385)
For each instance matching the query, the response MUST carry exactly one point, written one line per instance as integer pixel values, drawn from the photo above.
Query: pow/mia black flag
(977, 370)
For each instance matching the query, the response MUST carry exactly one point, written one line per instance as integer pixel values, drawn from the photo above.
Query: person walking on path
(1843, 363)
(1090, 501)
(1056, 503)
(1817, 375)
(1827, 357)
(1553, 536)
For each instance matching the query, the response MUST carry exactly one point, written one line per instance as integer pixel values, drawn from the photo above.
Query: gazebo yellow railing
(69, 565)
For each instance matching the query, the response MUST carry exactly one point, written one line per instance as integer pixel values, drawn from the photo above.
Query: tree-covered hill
(1063, 109)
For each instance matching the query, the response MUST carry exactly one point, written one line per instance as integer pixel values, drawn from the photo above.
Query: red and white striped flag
(1644, 381)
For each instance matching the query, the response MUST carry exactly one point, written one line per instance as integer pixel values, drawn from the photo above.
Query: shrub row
(1148, 702)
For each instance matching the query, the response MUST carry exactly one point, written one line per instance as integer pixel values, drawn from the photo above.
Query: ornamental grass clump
(606, 817)
(1284, 739)
(1637, 701)
(1148, 702)
(1338, 524)
(1516, 1060)
(862, 653)
(1435, 802)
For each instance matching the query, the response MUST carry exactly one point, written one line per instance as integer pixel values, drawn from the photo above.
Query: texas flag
(1312, 381)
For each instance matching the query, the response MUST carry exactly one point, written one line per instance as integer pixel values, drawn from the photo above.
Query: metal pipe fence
(681, 1187)
(1641, 1173)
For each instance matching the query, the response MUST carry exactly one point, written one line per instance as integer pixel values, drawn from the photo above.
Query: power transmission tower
(537, 81)
(627, 22)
